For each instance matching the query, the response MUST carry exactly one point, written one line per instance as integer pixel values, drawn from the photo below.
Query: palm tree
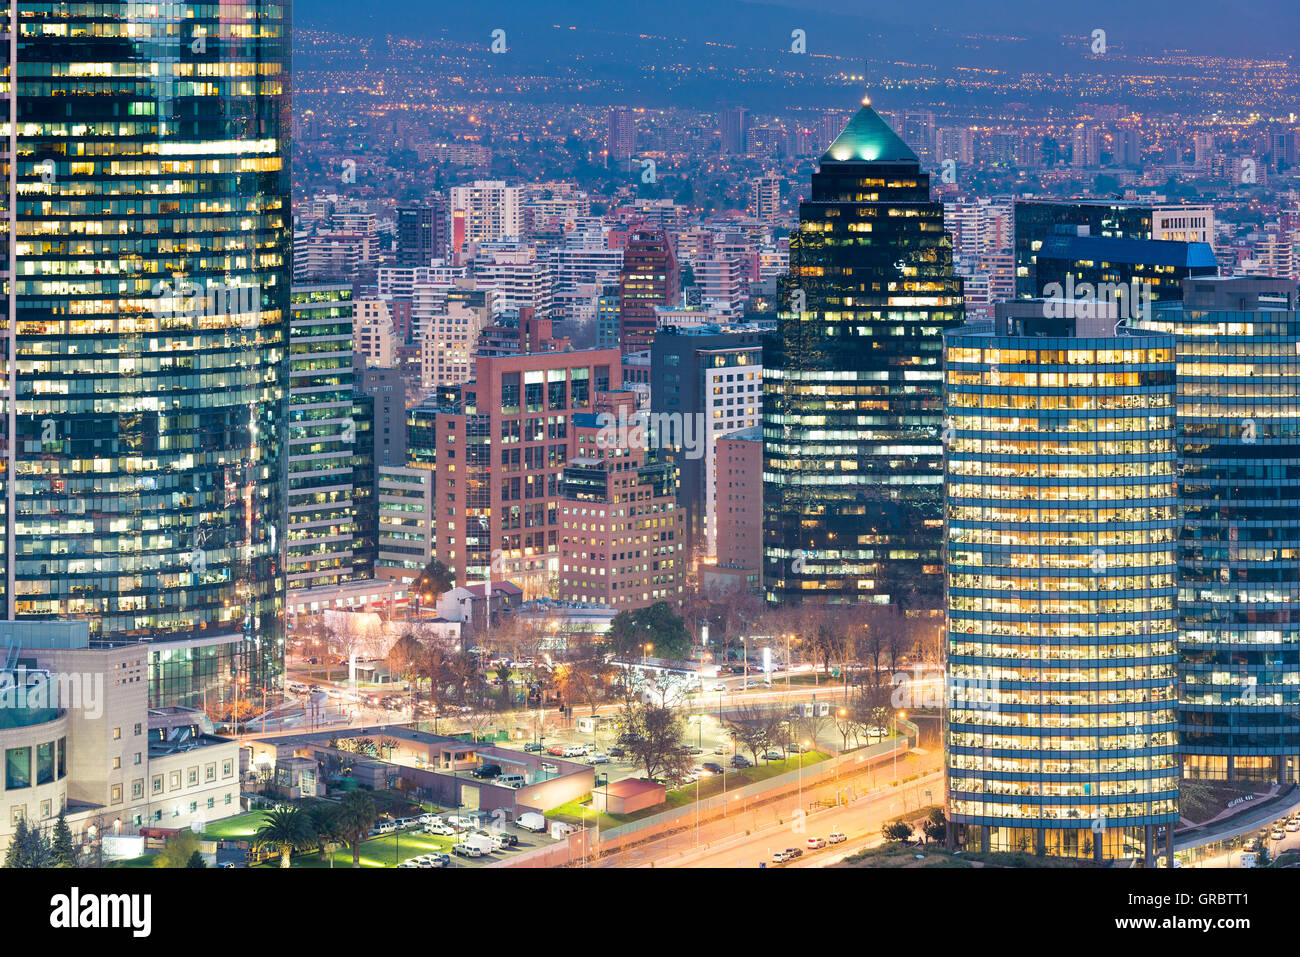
(288, 829)
(325, 826)
(356, 816)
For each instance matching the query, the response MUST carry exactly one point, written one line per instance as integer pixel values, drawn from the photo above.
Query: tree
(356, 816)
(657, 626)
(895, 831)
(196, 860)
(325, 826)
(287, 829)
(404, 657)
(935, 827)
(64, 854)
(28, 848)
(652, 735)
(434, 581)
(178, 850)
(752, 728)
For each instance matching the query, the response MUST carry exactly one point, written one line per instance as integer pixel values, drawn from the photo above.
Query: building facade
(1061, 520)
(149, 319)
(1238, 343)
(852, 404)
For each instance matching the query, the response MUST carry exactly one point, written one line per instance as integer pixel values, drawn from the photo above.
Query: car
(515, 781)
(740, 761)
(713, 767)
(460, 821)
(1278, 834)
(429, 818)
(877, 732)
(487, 771)
(1251, 846)
(440, 829)
(616, 752)
(816, 843)
(1293, 825)
(772, 755)
(700, 771)
(717, 686)
(782, 856)
(384, 827)
(691, 749)
(798, 851)
(409, 863)
(532, 747)
(796, 747)
(575, 751)
(549, 767)
(598, 758)
(466, 850)
(556, 749)
(836, 837)
(484, 840)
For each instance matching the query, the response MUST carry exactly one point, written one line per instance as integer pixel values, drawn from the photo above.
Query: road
(773, 825)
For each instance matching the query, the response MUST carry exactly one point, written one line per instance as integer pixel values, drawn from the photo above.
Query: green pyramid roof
(868, 139)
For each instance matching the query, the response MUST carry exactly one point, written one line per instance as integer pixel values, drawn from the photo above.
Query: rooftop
(868, 139)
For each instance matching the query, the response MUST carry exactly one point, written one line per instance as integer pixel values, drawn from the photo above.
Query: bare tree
(652, 734)
(751, 726)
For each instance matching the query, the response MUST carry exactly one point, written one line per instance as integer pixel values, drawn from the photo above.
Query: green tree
(657, 626)
(433, 581)
(196, 860)
(178, 850)
(28, 848)
(325, 826)
(652, 735)
(357, 815)
(935, 827)
(895, 831)
(65, 855)
(287, 829)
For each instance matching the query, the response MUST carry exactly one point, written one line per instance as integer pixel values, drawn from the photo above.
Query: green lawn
(573, 812)
(382, 851)
(241, 827)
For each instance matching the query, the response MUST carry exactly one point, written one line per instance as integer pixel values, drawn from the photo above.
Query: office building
(765, 198)
(417, 233)
(1061, 521)
(146, 415)
(738, 497)
(852, 404)
(649, 278)
(704, 384)
(734, 124)
(621, 543)
(1238, 355)
(1038, 219)
(1091, 267)
(319, 537)
(620, 136)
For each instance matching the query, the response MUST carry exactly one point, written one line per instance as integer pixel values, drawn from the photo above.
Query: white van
(531, 821)
(575, 750)
(510, 780)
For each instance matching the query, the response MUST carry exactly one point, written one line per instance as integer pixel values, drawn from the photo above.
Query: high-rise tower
(148, 315)
(852, 404)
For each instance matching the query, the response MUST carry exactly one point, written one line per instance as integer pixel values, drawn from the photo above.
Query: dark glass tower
(1238, 354)
(147, 315)
(852, 383)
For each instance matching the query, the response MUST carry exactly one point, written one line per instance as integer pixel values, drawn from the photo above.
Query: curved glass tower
(147, 317)
(1062, 525)
(1238, 344)
(852, 394)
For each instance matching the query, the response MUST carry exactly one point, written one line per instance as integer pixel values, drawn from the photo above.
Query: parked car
(598, 758)
(556, 749)
(1293, 825)
(487, 771)
(440, 829)
(700, 771)
(836, 837)
(1278, 834)
(532, 747)
(575, 751)
(713, 767)
(409, 863)
(466, 850)
(531, 821)
(384, 827)
(772, 755)
(740, 761)
(717, 686)
(430, 818)
(816, 843)
(617, 752)
(515, 781)
(789, 854)
(691, 749)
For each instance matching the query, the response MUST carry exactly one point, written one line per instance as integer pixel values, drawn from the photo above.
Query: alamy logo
(189, 300)
(684, 432)
(74, 911)
(1131, 300)
(23, 688)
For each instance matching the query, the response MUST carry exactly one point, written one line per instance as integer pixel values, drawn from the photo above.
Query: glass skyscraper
(1238, 343)
(1062, 522)
(853, 464)
(146, 328)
